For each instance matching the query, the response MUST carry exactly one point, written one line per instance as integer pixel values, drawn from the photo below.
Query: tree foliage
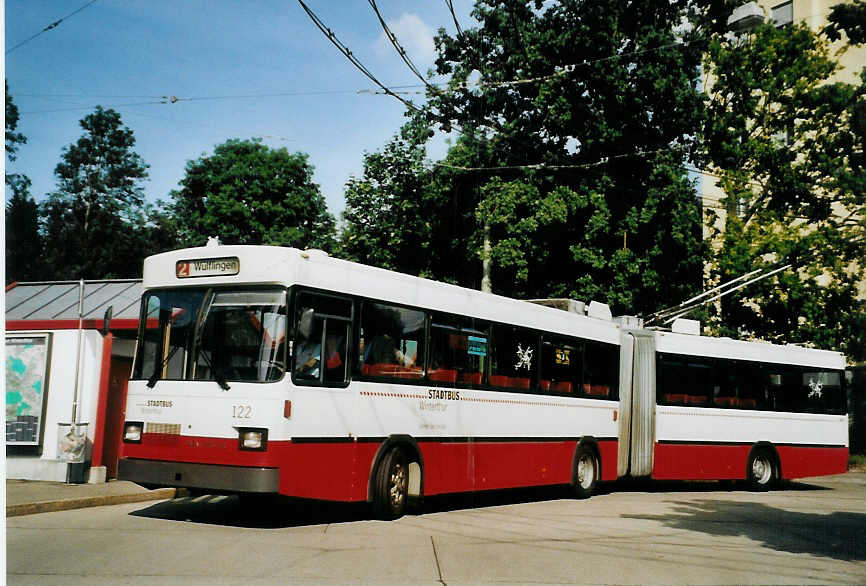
(849, 17)
(248, 193)
(13, 139)
(94, 223)
(386, 216)
(23, 241)
(574, 119)
(786, 143)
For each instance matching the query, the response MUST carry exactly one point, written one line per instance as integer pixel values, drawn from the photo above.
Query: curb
(86, 502)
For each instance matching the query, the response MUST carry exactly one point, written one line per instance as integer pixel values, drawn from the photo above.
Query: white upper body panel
(313, 268)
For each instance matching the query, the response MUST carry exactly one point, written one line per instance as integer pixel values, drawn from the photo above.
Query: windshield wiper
(200, 320)
(218, 375)
(151, 382)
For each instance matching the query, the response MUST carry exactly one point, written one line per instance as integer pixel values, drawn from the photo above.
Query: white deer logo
(817, 386)
(524, 358)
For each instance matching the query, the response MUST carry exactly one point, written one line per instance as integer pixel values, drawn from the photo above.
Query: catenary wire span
(51, 26)
(351, 57)
(399, 48)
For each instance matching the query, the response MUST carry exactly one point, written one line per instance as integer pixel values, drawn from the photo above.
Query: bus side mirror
(305, 323)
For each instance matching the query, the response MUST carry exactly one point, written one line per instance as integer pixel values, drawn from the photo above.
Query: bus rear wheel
(585, 472)
(391, 491)
(762, 471)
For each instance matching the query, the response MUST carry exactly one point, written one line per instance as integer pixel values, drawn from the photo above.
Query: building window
(783, 14)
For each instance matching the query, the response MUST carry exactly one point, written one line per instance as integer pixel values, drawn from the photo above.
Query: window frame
(733, 369)
(189, 347)
(296, 297)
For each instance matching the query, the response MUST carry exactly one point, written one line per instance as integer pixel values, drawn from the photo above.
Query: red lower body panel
(683, 461)
(803, 461)
(340, 470)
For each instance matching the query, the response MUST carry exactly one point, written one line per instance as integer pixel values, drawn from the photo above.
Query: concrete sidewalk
(27, 497)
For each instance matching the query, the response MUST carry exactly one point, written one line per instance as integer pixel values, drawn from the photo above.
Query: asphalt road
(688, 533)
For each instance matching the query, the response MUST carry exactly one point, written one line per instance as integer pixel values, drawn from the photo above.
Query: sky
(239, 68)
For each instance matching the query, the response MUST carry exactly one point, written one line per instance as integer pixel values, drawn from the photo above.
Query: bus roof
(316, 269)
(215, 265)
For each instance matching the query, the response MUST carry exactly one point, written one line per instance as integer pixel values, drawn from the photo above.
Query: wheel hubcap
(585, 471)
(762, 470)
(397, 490)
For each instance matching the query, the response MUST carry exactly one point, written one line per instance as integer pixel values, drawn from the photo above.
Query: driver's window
(323, 331)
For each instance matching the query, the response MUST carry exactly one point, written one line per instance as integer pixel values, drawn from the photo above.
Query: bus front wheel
(392, 486)
(585, 472)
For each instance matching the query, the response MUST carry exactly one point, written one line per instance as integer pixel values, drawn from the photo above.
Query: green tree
(385, 220)
(849, 17)
(93, 221)
(248, 193)
(586, 112)
(786, 144)
(403, 214)
(23, 242)
(13, 139)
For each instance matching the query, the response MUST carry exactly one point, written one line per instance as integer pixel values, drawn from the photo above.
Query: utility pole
(486, 286)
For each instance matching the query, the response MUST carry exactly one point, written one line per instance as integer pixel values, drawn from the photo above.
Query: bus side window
(458, 350)
(561, 366)
(601, 370)
(322, 333)
(392, 340)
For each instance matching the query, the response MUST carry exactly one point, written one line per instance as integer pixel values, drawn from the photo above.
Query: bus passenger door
(641, 437)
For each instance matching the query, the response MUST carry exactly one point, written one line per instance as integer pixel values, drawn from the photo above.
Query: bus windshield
(212, 334)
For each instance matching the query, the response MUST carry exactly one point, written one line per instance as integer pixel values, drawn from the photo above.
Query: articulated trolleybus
(278, 371)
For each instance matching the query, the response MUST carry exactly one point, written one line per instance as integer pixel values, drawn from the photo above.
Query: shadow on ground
(839, 535)
(258, 513)
(272, 512)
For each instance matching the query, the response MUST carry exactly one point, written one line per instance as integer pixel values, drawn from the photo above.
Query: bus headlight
(253, 439)
(132, 432)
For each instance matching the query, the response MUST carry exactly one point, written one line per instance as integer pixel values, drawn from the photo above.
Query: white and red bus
(278, 371)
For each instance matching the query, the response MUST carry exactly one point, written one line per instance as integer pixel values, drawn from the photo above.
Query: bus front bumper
(208, 477)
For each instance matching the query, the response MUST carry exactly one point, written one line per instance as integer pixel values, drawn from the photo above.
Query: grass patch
(857, 461)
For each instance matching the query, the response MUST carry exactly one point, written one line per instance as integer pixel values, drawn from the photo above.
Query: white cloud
(414, 36)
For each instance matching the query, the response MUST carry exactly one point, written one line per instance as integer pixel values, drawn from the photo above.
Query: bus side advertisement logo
(207, 267)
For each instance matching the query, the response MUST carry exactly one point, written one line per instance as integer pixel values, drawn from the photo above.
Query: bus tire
(586, 471)
(762, 471)
(391, 490)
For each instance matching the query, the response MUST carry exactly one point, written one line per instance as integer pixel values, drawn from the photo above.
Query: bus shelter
(69, 349)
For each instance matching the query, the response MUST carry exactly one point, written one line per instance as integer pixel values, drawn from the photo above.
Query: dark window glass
(601, 370)
(513, 358)
(391, 342)
(458, 350)
(561, 366)
(684, 380)
(323, 331)
(738, 384)
(806, 390)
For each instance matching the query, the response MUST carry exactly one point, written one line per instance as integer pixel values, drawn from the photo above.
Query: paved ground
(26, 497)
(812, 532)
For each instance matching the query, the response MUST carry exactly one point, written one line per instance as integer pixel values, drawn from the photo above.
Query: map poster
(26, 369)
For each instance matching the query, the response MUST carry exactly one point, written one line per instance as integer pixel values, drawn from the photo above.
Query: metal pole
(78, 355)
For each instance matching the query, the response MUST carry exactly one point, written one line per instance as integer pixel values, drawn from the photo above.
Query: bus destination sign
(207, 267)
